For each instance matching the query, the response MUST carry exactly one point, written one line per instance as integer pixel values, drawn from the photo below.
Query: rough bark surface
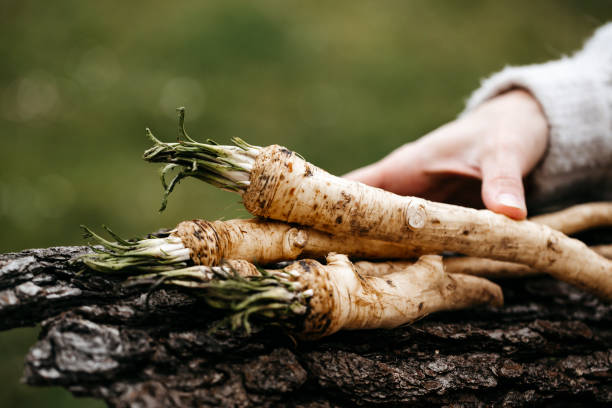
(549, 345)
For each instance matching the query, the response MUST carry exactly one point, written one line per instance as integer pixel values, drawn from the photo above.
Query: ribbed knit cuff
(575, 98)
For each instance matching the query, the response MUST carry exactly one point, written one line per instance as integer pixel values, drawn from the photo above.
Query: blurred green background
(342, 82)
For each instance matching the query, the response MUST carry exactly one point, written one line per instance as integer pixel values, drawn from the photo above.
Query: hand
(499, 143)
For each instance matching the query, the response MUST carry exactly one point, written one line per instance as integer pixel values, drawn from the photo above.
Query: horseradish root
(486, 268)
(316, 300)
(489, 268)
(578, 218)
(262, 242)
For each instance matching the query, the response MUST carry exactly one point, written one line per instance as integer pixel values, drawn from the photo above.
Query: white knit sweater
(576, 95)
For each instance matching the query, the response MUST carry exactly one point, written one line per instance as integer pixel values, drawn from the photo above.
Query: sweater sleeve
(576, 96)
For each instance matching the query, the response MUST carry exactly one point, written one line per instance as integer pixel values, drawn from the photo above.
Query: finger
(502, 184)
(371, 175)
(400, 172)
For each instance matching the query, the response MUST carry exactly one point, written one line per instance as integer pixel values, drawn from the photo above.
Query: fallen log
(550, 344)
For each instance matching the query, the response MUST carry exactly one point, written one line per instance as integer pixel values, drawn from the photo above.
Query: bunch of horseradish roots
(291, 265)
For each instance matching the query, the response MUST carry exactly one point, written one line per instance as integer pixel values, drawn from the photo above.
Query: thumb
(502, 185)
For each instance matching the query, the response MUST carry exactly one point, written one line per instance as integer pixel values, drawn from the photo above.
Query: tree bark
(549, 345)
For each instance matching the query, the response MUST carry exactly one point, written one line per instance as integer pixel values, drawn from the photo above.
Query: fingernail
(510, 200)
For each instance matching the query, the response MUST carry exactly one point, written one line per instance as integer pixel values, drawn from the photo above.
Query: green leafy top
(226, 167)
